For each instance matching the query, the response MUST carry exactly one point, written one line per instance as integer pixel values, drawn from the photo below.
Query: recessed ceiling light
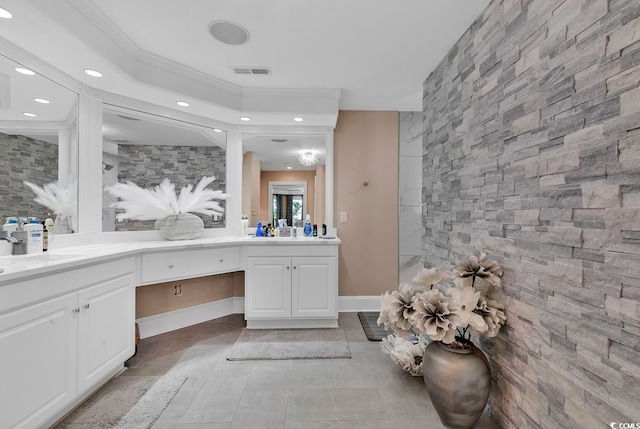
(24, 71)
(183, 104)
(41, 100)
(4, 13)
(229, 32)
(31, 115)
(298, 119)
(218, 130)
(93, 73)
(245, 118)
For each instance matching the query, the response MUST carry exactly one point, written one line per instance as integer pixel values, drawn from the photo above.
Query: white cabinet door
(268, 288)
(37, 361)
(106, 329)
(313, 289)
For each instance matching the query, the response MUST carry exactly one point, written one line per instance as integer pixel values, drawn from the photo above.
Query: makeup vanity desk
(67, 316)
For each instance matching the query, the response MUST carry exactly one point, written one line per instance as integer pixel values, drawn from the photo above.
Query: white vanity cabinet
(78, 333)
(183, 264)
(282, 290)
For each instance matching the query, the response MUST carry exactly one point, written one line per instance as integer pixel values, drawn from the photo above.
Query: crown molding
(163, 73)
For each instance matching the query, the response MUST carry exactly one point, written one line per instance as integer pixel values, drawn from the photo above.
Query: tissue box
(284, 231)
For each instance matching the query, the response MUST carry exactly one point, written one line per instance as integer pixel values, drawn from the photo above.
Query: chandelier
(308, 158)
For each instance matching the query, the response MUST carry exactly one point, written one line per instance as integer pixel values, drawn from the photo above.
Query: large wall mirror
(144, 149)
(283, 177)
(38, 141)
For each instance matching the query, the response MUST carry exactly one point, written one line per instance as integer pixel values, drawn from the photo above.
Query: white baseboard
(172, 320)
(348, 304)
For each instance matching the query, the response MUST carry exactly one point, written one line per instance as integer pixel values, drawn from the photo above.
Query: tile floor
(366, 391)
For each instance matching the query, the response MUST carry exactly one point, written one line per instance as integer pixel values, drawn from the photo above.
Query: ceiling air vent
(263, 71)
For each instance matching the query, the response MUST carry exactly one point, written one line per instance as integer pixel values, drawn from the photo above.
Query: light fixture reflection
(93, 73)
(22, 70)
(4, 13)
(308, 158)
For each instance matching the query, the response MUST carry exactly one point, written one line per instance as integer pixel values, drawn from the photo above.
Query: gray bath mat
(126, 402)
(274, 344)
(369, 321)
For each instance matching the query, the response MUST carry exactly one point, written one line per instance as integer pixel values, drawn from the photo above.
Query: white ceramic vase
(185, 226)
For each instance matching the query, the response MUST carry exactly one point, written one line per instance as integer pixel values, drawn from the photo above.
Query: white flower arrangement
(162, 201)
(420, 308)
(60, 198)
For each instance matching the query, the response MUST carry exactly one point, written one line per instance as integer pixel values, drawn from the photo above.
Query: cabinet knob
(76, 310)
(295, 268)
(171, 266)
(86, 306)
(221, 260)
(288, 267)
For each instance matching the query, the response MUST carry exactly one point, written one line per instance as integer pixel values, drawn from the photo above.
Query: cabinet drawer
(166, 266)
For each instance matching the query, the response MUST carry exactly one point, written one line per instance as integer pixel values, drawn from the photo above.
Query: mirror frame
(293, 131)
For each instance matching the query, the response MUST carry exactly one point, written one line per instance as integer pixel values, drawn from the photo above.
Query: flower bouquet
(439, 307)
(61, 199)
(172, 211)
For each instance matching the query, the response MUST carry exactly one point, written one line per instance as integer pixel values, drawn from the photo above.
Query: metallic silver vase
(185, 226)
(458, 382)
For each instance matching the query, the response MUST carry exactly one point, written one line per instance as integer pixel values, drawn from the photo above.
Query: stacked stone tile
(24, 158)
(147, 166)
(531, 154)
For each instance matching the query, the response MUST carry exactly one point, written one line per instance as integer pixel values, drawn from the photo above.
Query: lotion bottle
(308, 230)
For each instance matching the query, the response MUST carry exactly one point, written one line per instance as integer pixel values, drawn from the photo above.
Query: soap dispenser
(308, 230)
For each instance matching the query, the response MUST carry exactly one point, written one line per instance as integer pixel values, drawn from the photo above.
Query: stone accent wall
(147, 166)
(532, 154)
(24, 158)
(410, 195)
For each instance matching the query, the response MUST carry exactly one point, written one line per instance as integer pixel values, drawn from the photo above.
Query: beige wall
(251, 188)
(160, 298)
(366, 187)
(247, 160)
(293, 176)
(321, 194)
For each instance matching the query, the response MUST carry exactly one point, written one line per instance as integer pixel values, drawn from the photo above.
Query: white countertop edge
(89, 250)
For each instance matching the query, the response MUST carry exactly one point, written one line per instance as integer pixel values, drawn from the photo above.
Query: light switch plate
(343, 217)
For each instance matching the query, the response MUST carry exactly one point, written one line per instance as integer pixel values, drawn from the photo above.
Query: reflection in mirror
(274, 159)
(144, 149)
(288, 200)
(38, 139)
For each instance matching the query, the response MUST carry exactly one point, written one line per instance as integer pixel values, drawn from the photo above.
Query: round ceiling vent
(229, 32)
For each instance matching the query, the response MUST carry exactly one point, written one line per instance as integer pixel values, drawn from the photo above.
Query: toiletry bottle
(308, 230)
(259, 230)
(45, 238)
(10, 225)
(48, 223)
(268, 232)
(324, 229)
(315, 230)
(34, 235)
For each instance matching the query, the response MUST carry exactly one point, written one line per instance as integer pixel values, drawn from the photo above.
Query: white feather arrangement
(60, 199)
(162, 201)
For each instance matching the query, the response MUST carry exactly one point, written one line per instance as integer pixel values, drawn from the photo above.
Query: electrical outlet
(253, 212)
(343, 217)
(178, 290)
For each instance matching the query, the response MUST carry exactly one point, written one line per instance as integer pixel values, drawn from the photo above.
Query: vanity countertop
(24, 266)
